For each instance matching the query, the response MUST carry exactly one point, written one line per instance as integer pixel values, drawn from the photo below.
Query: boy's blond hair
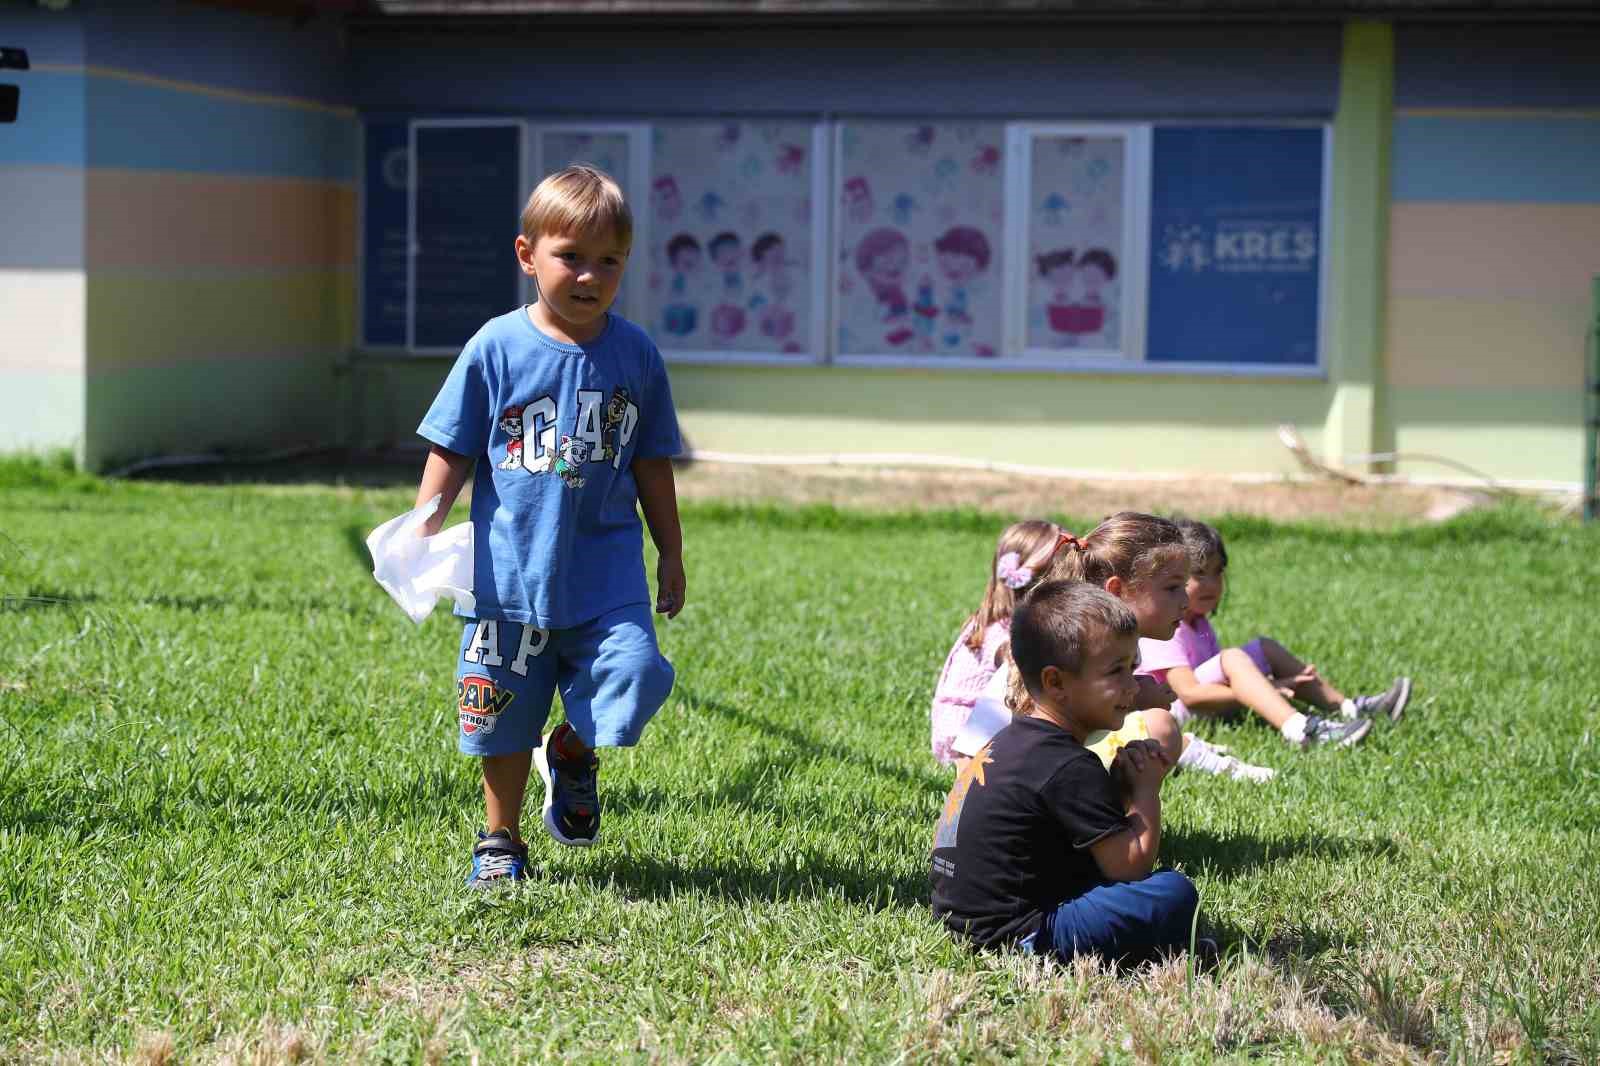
(579, 199)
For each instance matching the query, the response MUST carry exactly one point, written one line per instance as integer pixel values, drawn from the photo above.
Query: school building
(1130, 236)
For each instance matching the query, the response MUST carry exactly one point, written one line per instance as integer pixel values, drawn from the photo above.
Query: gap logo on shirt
(602, 430)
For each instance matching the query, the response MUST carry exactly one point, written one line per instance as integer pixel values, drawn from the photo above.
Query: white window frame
(1133, 257)
(411, 212)
(821, 258)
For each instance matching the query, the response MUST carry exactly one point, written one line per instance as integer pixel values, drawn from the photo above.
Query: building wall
(219, 213)
(1146, 421)
(42, 281)
(1494, 240)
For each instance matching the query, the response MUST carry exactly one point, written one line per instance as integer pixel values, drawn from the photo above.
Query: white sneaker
(1214, 759)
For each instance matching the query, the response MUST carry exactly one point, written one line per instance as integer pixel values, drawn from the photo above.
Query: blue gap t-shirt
(556, 427)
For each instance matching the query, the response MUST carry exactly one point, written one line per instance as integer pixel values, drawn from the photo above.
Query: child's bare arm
(658, 498)
(443, 475)
(1199, 697)
(1131, 853)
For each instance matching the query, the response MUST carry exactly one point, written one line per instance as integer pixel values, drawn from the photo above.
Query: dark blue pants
(1122, 921)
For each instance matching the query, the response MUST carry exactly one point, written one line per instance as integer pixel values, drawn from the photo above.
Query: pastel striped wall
(220, 213)
(42, 282)
(1494, 237)
(205, 206)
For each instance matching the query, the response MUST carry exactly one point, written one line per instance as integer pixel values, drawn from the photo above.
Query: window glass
(730, 257)
(921, 214)
(1076, 256)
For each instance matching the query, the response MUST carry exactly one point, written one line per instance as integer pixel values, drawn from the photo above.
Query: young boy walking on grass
(1039, 846)
(565, 411)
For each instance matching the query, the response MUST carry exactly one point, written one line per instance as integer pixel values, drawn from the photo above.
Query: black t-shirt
(1012, 843)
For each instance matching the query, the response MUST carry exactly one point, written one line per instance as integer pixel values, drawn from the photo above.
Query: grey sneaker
(1329, 731)
(1392, 703)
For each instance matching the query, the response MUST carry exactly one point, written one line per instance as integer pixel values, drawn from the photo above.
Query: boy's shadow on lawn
(1204, 854)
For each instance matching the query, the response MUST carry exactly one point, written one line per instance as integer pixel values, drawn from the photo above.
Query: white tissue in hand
(415, 570)
(988, 717)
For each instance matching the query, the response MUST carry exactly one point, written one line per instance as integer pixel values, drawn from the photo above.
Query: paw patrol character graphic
(511, 426)
(570, 458)
(611, 423)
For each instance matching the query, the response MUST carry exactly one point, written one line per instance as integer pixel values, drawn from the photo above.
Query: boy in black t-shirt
(1039, 845)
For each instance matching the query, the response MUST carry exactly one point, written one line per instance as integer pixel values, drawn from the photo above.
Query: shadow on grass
(332, 466)
(1225, 858)
(807, 743)
(47, 600)
(806, 878)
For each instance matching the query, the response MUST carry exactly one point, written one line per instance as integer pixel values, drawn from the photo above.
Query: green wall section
(1511, 434)
(1066, 421)
(41, 410)
(245, 406)
(1362, 131)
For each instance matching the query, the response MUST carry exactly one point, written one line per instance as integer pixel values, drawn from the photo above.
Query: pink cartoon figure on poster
(857, 199)
(772, 287)
(791, 158)
(881, 258)
(665, 200)
(986, 160)
(726, 254)
(1096, 269)
(1055, 267)
(727, 321)
(683, 255)
(924, 314)
(963, 253)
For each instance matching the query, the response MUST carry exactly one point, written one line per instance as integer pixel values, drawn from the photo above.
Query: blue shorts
(610, 671)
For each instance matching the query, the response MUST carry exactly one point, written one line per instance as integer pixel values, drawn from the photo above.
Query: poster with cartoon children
(921, 214)
(1075, 235)
(731, 229)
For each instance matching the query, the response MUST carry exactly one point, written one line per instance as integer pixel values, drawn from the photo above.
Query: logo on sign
(1239, 247)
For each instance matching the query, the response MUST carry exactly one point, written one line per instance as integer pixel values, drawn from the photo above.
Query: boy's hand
(670, 583)
(1139, 766)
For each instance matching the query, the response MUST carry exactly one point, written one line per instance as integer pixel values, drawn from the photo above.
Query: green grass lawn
(233, 822)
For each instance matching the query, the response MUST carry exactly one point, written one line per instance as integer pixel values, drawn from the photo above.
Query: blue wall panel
(1533, 160)
(143, 126)
(49, 130)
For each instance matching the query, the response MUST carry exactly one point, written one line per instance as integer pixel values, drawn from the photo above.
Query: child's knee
(1164, 730)
(1179, 896)
(1236, 661)
(655, 681)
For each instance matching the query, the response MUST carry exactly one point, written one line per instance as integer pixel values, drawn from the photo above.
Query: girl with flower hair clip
(1027, 553)
(1021, 555)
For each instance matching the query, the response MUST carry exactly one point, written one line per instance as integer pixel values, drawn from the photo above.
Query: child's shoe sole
(542, 762)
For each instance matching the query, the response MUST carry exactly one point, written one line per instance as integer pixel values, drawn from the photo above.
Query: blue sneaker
(497, 858)
(571, 796)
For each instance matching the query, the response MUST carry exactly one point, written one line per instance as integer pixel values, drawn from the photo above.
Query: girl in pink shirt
(1263, 675)
(1021, 557)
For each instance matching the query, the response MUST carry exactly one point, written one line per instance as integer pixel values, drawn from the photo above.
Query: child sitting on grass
(1263, 675)
(1141, 560)
(1039, 845)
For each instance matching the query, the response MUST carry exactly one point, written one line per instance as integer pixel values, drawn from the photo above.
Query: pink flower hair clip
(1009, 569)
